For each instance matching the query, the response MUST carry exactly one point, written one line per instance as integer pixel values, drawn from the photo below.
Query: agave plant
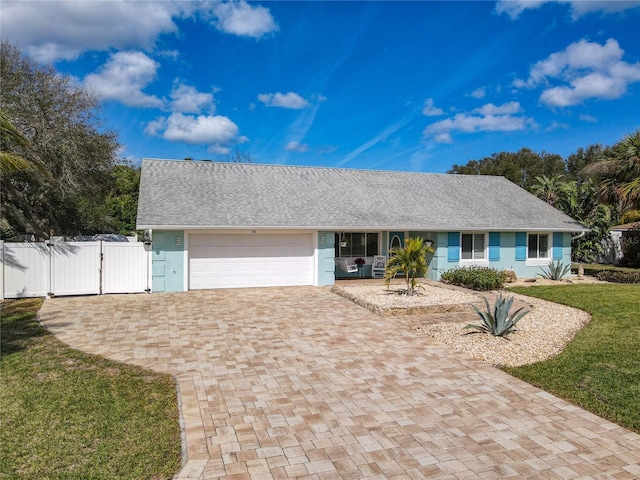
(498, 322)
(555, 271)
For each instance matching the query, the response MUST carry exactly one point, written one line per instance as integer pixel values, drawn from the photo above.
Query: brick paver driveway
(299, 382)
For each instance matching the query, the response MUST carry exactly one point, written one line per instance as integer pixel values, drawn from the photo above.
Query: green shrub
(498, 322)
(476, 278)
(618, 277)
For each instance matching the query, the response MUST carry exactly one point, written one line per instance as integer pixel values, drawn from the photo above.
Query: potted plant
(359, 262)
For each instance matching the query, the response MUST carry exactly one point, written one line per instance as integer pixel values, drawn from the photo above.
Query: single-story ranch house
(221, 225)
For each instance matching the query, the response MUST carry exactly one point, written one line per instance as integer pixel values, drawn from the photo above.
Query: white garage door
(229, 261)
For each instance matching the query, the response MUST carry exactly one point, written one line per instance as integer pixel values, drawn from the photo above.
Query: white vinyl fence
(73, 268)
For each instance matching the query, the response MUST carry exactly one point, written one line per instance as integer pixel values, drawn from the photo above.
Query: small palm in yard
(411, 261)
(498, 322)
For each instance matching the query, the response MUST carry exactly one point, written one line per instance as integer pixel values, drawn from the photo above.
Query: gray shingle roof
(192, 194)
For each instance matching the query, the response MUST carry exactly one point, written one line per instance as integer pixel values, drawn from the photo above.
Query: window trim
(539, 261)
(485, 251)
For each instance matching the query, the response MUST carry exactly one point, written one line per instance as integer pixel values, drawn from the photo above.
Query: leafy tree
(578, 161)
(62, 135)
(11, 146)
(618, 174)
(411, 260)
(549, 189)
(121, 205)
(581, 202)
(521, 167)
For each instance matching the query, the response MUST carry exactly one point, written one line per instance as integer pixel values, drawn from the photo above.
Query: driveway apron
(301, 383)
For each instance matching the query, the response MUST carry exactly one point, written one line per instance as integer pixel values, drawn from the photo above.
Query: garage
(254, 260)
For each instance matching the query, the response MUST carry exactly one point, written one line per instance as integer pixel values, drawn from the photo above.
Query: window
(395, 242)
(356, 244)
(538, 246)
(473, 246)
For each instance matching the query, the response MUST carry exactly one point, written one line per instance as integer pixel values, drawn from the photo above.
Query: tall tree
(63, 135)
(580, 201)
(549, 189)
(578, 161)
(12, 143)
(121, 205)
(618, 173)
(521, 167)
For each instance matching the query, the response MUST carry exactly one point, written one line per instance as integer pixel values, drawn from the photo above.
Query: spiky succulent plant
(498, 322)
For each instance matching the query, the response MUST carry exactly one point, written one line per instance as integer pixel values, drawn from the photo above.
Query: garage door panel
(230, 261)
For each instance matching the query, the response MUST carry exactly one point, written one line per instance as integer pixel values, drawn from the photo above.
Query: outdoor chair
(378, 266)
(343, 266)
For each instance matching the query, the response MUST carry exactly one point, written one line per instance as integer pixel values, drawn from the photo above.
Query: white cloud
(504, 109)
(443, 137)
(187, 99)
(63, 29)
(296, 147)
(430, 110)
(578, 8)
(219, 149)
(215, 130)
(240, 18)
(478, 93)
(124, 77)
(514, 8)
(588, 118)
(285, 100)
(555, 125)
(489, 118)
(587, 69)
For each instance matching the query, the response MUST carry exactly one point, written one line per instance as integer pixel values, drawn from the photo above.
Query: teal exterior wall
(326, 263)
(506, 250)
(167, 264)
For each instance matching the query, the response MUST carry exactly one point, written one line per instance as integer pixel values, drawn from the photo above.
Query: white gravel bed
(541, 334)
(392, 297)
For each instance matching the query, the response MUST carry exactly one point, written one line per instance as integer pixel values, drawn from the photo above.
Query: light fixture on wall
(343, 240)
(428, 242)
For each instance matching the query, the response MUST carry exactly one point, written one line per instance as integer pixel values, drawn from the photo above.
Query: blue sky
(385, 85)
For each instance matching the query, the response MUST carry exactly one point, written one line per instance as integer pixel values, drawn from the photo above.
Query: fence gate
(124, 267)
(73, 268)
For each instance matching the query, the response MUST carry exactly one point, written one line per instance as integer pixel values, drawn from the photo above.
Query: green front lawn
(66, 414)
(600, 369)
(594, 268)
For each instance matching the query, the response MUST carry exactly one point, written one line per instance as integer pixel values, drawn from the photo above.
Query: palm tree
(619, 174)
(12, 140)
(410, 260)
(549, 189)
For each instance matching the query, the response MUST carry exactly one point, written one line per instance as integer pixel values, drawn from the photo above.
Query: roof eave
(390, 228)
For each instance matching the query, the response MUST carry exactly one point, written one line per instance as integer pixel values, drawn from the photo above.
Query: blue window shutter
(453, 247)
(521, 245)
(557, 245)
(494, 246)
